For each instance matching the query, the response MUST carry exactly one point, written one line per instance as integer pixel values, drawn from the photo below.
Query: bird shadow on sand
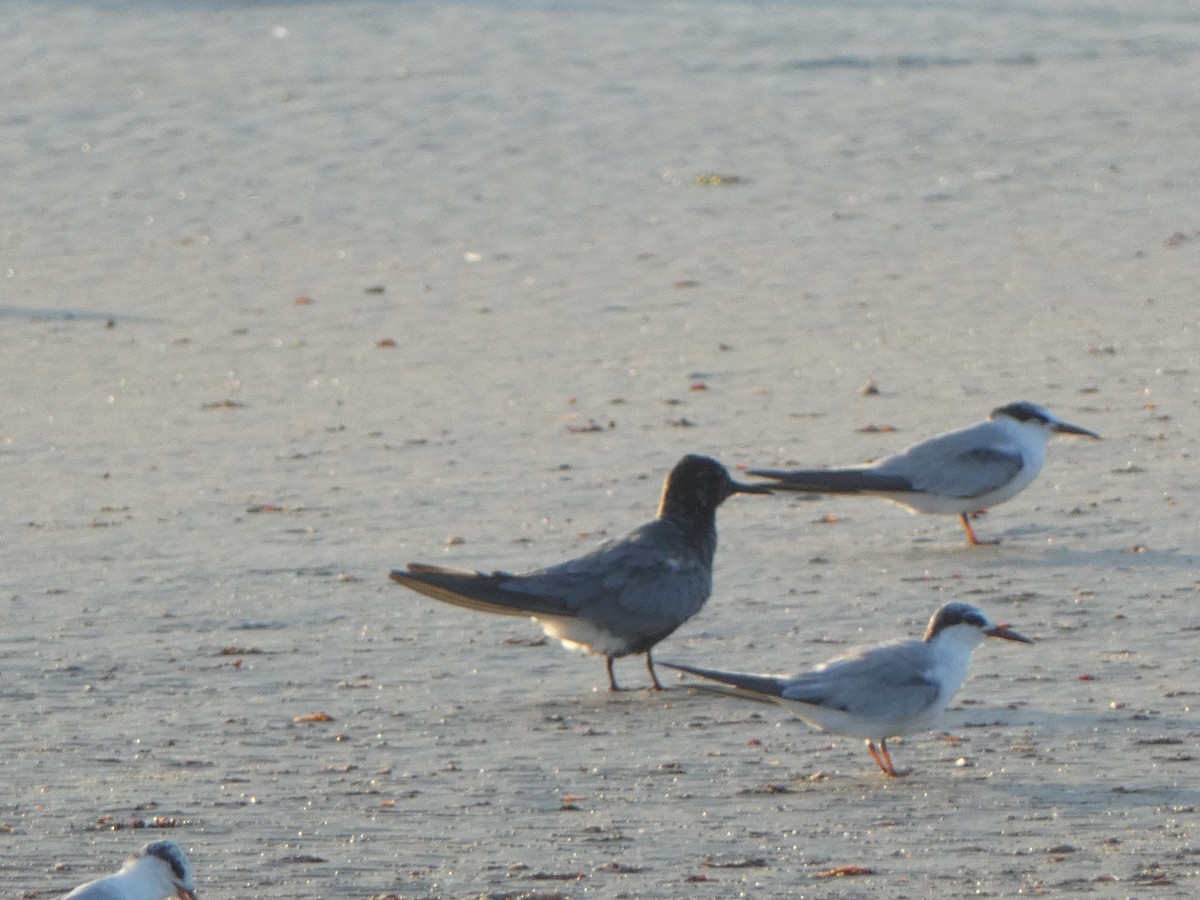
(1102, 794)
(47, 314)
(1015, 555)
(1084, 755)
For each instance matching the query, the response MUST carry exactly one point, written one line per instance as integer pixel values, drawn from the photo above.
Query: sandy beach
(292, 294)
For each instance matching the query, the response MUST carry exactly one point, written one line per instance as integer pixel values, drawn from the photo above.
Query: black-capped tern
(874, 693)
(158, 870)
(960, 472)
(627, 594)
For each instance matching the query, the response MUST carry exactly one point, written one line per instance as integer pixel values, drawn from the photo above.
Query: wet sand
(297, 293)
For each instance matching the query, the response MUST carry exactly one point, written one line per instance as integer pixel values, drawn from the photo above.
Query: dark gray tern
(627, 594)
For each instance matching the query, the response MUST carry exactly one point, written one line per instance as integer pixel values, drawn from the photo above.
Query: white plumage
(158, 870)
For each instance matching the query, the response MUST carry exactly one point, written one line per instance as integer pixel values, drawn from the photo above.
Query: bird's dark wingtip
(765, 473)
(406, 574)
(714, 674)
(741, 487)
(417, 568)
(780, 481)
(679, 667)
(752, 687)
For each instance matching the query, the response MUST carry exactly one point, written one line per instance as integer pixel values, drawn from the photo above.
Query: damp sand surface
(295, 293)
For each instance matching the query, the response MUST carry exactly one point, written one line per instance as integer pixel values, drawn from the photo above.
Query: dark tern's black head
(698, 485)
(953, 614)
(1026, 412)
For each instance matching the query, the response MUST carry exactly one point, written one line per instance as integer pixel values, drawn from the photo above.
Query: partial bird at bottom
(158, 870)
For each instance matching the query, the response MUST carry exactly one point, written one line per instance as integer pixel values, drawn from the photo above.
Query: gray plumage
(627, 594)
(873, 693)
(958, 472)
